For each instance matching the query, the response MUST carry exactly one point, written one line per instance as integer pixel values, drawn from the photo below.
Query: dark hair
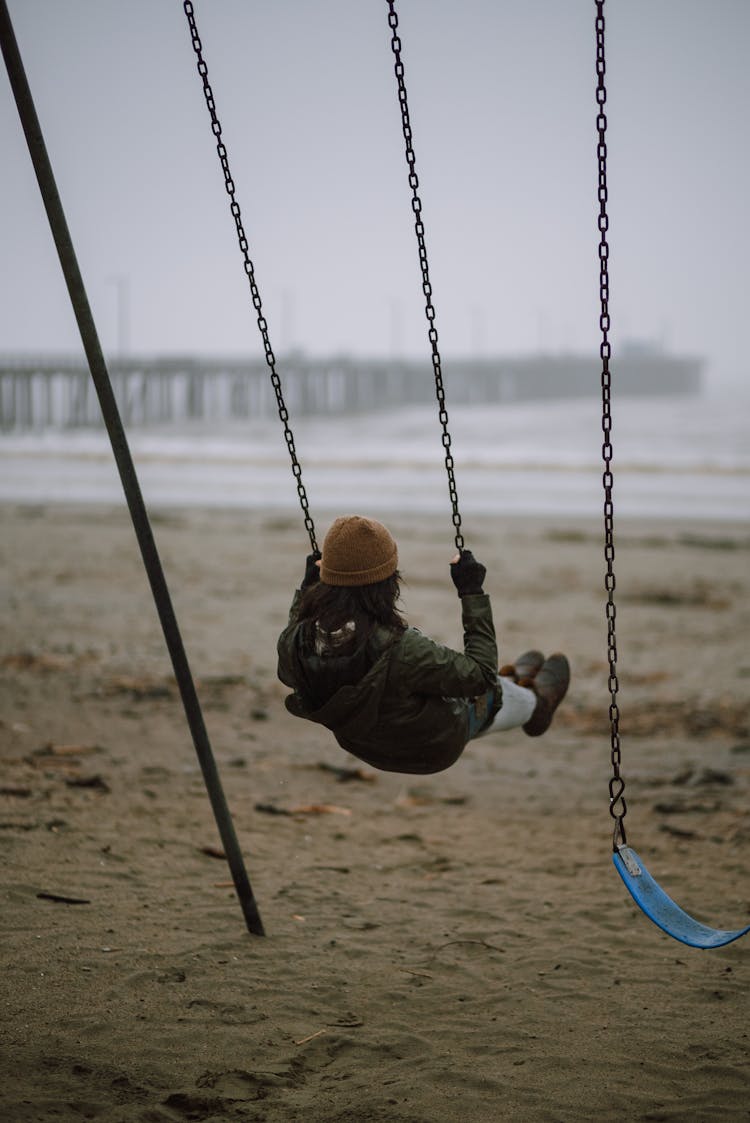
(332, 606)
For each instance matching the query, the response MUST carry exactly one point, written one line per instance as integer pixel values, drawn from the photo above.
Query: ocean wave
(670, 457)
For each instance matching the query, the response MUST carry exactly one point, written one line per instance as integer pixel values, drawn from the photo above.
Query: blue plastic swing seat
(660, 908)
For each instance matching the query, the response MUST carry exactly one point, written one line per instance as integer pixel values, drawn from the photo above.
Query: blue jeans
(481, 711)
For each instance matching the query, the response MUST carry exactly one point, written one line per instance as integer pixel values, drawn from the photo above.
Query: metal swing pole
(125, 466)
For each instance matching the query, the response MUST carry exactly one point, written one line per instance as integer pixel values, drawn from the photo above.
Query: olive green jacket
(404, 702)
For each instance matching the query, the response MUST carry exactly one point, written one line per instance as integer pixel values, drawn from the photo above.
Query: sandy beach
(439, 948)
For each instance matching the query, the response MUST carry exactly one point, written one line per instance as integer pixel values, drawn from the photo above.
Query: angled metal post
(125, 466)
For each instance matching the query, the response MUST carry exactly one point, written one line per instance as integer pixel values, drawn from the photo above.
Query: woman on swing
(390, 695)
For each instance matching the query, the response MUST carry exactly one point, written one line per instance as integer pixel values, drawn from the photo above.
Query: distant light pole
(477, 331)
(287, 327)
(122, 296)
(396, 333)
(542, 330)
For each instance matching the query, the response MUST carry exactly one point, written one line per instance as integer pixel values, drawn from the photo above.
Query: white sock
(519, 703)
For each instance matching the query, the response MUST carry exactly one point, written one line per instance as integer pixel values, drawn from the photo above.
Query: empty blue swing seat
(662, 910)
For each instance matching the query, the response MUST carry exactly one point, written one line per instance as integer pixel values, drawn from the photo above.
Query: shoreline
(681, 460)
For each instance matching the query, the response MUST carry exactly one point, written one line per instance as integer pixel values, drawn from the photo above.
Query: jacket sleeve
(285, 645)
(431, 668)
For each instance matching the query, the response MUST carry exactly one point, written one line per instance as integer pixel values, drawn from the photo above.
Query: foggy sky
(503, 112)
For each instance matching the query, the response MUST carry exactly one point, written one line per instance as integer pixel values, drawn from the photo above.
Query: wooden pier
(43, 393)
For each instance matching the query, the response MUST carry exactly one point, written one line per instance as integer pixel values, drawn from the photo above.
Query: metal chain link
(250, 272)
(617, 804)
(416, 205)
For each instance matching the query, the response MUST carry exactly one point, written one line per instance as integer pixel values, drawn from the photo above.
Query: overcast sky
(503, 112)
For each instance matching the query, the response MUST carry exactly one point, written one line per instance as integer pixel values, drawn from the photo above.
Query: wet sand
(439, 948)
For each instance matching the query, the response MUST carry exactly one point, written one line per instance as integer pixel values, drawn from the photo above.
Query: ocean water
(673, 457)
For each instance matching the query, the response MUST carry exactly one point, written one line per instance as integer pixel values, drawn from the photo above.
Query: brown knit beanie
(358, 551)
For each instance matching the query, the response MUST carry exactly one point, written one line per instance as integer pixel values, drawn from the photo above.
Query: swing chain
(250, 272)
(416, 206)
(617, 804)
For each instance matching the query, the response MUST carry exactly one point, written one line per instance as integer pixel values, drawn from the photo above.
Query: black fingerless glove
(468, 574)
(312, 570)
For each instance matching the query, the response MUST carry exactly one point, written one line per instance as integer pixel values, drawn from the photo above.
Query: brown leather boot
(524, 668)
(550, 685)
